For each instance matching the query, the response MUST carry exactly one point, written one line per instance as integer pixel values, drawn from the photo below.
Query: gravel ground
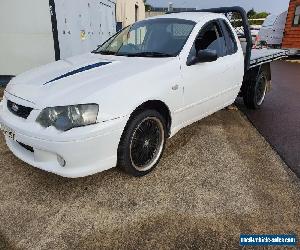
(218, 178)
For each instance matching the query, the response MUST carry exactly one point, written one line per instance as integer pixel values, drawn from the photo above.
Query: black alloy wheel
(142, 143)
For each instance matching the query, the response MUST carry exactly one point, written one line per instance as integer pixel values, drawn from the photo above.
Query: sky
(271, 6)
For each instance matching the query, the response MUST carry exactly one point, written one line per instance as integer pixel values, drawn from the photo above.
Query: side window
(230, 39)
(210, 37)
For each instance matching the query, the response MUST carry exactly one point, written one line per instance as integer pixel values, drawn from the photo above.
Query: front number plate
(7, 131)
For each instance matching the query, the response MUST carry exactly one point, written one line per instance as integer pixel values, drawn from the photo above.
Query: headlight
(68, 117)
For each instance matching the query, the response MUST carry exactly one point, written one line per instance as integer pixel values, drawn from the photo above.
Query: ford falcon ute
(117, 105)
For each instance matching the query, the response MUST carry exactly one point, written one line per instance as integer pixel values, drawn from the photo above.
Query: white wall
(84, 24)
(26, 39)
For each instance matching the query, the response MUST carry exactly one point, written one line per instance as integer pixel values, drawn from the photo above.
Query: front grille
(19, 110)
(26, 147)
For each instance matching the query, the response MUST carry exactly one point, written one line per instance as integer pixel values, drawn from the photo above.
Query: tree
(147, 6)
(251, 13)
(260, 15)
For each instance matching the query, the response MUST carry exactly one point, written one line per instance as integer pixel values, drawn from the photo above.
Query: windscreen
(161, 37)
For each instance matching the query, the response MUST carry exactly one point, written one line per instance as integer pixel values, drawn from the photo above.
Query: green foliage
(260, 15)
(256, 22)
(236, 18)
(251, 13)
(239, 23)
(147, 6)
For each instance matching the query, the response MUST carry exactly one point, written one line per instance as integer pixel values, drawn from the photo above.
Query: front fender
(122, 98)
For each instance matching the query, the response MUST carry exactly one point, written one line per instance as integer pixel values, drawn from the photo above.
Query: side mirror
(204, 56)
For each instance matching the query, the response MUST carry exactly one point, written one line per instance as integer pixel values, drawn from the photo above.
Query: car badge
(15, 107)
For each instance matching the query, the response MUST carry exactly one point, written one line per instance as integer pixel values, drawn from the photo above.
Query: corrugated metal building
(291, 39)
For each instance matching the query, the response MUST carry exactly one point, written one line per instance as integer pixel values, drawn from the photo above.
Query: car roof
(192, 16)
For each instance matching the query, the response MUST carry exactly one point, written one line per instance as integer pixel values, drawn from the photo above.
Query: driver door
(208, 86)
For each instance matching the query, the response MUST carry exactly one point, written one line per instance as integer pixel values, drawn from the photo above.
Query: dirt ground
(1, 92)
(218, 178)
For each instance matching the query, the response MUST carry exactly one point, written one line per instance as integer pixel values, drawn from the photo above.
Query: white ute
(118, 104)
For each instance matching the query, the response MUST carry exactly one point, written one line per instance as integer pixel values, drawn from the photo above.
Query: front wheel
(142, 143)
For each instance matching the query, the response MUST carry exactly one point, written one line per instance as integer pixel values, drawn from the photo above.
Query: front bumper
(86, 151)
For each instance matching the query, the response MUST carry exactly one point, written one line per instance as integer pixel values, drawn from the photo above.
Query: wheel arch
(158, 105)
(253, 73)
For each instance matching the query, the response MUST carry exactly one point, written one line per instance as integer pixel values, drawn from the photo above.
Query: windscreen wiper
(105, 52)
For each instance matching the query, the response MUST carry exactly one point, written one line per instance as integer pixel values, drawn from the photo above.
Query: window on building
(297, 16)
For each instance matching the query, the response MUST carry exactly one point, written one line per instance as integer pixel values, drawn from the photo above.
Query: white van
(271, 32)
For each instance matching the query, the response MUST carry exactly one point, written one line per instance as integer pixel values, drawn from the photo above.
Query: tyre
(142, 143)
(255, 91)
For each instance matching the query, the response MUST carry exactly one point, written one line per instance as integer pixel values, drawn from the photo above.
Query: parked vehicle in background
(271, 32)
(254, 29)
(254, 32)
(36, 32)
(119, 104)
(291, 39)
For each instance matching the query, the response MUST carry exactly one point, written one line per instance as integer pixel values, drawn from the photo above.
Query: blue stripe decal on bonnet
(76, 71)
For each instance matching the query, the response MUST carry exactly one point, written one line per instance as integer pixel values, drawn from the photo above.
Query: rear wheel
(142, 143)
(255, 91)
